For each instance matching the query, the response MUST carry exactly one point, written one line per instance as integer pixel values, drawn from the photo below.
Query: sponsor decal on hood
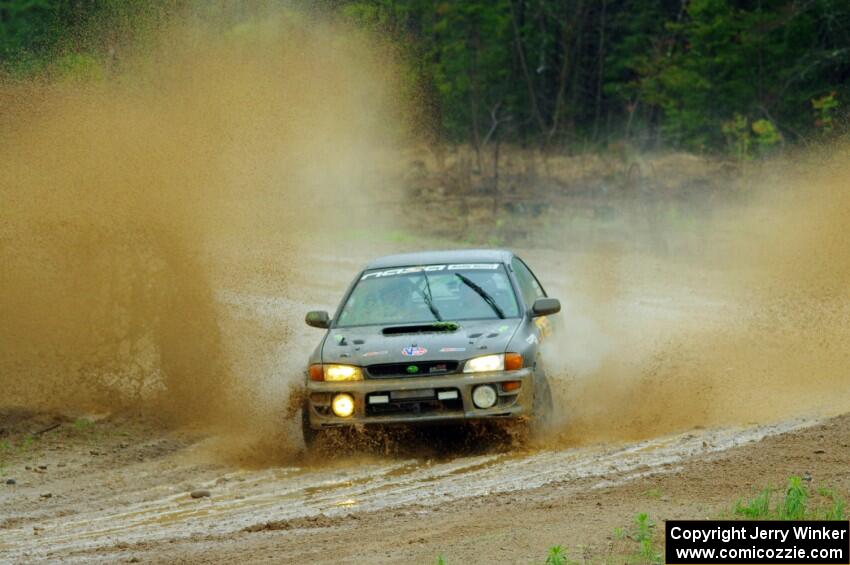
(413, 351)
(434, 345)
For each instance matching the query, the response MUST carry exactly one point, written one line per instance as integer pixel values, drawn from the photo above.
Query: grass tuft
(756, 509)
(796, 504)
(644, 534)
(556, 556)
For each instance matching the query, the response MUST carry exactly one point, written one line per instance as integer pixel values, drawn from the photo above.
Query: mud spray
(191, 174)
(131, 197)
(752, 328)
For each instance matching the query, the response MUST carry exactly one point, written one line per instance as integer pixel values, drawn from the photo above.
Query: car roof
(439, 257)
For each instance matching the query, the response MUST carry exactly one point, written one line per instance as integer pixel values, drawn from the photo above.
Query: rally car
(443, 336)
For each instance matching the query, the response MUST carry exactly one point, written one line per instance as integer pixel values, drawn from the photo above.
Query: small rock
(94, 452)
(28, 468)
(11, 482)
(61, 464)
(819, 451)
(134, 560)
(807, 476)
(43, 467)
(199, 493)
(46, 495)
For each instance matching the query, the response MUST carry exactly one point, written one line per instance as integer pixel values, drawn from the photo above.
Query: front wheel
(310, 436)
(544, 406)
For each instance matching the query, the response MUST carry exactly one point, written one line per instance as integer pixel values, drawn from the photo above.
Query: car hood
(369, 345)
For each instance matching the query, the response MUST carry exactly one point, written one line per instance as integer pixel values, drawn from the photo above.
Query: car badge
(412, 369)
(413, 351)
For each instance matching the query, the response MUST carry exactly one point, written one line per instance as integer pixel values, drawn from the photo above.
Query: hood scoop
(439, 327)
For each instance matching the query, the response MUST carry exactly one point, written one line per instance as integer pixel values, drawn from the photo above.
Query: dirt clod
(199, 493)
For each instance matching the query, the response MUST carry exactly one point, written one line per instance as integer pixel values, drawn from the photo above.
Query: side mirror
(318, 319)
(545, 307)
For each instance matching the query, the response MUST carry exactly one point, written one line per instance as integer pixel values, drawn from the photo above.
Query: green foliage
(569, 72)
(766, 134)
(837, 508)
(756, 509)
(655, 73)
(742, 137)
(643, 532)
(440, 560)
(25, 27)
(737, 134)
(796, 504)
(825, 108)
(74, 37)
(556, 556)
(78, 66)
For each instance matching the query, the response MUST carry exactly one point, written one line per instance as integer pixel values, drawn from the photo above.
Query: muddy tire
(311, 437)
(543, 403)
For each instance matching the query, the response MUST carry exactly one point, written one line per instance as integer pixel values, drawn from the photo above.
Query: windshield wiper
(483, 294)
(429, 299)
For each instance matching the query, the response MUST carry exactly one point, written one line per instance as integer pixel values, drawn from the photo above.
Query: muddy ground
(663, 431)
(164, 228)
(119, 489)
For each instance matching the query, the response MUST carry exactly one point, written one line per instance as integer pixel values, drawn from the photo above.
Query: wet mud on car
(432, 337)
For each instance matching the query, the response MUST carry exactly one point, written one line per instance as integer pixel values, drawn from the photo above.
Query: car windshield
(430, 293)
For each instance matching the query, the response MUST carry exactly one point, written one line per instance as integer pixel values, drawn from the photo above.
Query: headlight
(336, 373)
(485, 363)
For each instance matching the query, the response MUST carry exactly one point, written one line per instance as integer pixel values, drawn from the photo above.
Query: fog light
(484, 396)
(343, 405)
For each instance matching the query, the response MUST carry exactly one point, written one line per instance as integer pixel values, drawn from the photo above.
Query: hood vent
(443, 327)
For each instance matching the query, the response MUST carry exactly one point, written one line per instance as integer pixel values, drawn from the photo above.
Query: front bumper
(421, 404)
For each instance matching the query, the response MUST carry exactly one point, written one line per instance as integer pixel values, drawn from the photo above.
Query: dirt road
(119, 487)
(166, 226)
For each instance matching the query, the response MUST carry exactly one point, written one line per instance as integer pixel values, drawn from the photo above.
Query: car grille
(411, 369)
